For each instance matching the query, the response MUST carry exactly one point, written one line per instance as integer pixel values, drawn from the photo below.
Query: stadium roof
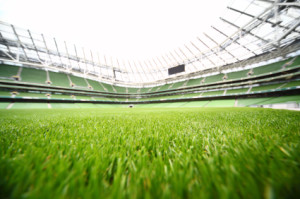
(246, 29)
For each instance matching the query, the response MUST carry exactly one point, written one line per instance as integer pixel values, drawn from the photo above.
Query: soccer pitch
(150, 153)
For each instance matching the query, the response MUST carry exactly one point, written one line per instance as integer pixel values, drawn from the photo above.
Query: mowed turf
(150, 153)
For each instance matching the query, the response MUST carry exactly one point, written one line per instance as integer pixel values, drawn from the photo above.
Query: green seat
(78, 81)
(7, 71)
(32, 75)
(214, 78)
(59, 79)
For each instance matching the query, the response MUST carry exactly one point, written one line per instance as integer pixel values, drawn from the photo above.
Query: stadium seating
(196, 104)
(7, 71)
(237, 75)
(4, 105)
(213, 93)
(5, 94)
(194, 82)
(31, 95)
(252, 101)
(32, 75)
(177, 84)
(96, 85)
(214, 78)
(221, 103)
(269, 68)
(78, 97)
(108, 87)
(132, 90)
(59, 79)
(282, 99)
(295, 63)
(120, 89)
(78, 81)
(58, 96)
(24, 105)
(266, 87)
(69, 87)
(237, 91)
(64, 105)
(291, 84)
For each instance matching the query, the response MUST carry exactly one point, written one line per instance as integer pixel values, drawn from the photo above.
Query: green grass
(150, 153)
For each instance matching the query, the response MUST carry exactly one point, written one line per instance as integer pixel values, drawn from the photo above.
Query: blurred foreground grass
(150, 153)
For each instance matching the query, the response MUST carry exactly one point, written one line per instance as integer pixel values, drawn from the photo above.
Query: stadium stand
(193, 82)
(133, 90)
(266, 87)
(295, 63)
(5, 94)
(78, 81)
(59, 96)
(59, 79)
(237, 75)
(270, 68)
(4, 105)
(237, 91)
(291, 84)
(177, 84)
(64, 105)
(210, 87)
(8, 71)
(120, 89)
(31, 94)
(221, 103)
(29, 105)
(214, 78)
(96, 85)
(32, 75)
(213, 93)
(78, 97)
(108, 87)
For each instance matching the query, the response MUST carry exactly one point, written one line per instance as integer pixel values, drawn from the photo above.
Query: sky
(126, 29)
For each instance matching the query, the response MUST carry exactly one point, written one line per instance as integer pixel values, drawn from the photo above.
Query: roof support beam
(160, 67)
(289, 31)
(19, 41)
(36, 50)
(93, 63)
(245, 31)
(203, 56)
(8, 48)
(78, 59)
(70, 67)
(234, 40)
(195, 57)
(211, 50)
(187, 58)
(261, 19)
(48, 52)
(99, 63)
(221, 47)
(58, 52)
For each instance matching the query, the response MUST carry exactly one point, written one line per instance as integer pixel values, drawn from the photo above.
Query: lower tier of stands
(240, 102)
(199, 94)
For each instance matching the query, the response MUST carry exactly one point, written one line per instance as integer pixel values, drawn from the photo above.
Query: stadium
(217, 117)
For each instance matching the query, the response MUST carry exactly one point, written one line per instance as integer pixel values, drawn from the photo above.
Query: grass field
(150, 153)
